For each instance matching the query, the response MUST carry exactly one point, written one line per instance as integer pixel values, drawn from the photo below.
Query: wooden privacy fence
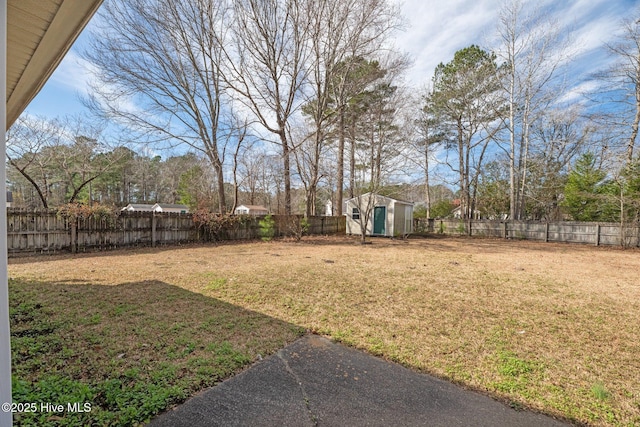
(44, 231)
(613, 234)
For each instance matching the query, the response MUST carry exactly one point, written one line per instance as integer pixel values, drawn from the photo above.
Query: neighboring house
(251, 210)
(138, 207)
(329, 210)
(9, 199)
(389, 217)
(158, 207)
(457, 213)
(171, 208)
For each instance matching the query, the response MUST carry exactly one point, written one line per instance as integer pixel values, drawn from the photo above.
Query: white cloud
(438, 28)
(73, 73)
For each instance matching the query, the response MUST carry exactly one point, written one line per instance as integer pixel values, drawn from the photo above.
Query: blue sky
(436, 30)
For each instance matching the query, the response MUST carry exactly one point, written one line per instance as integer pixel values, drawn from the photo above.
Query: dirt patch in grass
(551, 327)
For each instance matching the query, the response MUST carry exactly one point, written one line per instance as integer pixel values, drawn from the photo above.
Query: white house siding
(251, 210)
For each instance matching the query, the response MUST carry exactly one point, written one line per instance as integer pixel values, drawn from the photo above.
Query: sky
(438, 28)
(435, 30)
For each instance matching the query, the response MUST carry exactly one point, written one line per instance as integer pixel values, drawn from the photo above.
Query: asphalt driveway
(316, 382)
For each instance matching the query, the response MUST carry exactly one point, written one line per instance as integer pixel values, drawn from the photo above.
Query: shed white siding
(397, 221)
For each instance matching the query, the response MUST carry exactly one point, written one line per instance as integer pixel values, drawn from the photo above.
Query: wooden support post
(154, 223)
(6, 417)
(74, 235)
(546, 232)
(505, 232)
(597, 235)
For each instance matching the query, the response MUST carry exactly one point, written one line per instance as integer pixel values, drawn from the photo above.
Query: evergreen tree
(585, 191)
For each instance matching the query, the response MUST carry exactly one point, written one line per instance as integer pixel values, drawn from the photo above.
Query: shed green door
(379, 219)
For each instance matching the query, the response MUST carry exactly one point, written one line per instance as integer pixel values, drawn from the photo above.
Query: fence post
(153, 230)
(546, 232)
(505, 230)
(597, 234)
(74, 235)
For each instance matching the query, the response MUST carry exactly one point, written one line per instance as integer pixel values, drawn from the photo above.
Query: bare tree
(378, 145)
(558, 137)
(157, 66)
(266, 65)
(59, 158)
(26, 140)
(240, 148)
(426, 136)
(533, 49)
(341, 35)
(621, 84)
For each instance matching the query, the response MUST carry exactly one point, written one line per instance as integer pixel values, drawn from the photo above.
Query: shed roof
(382, 197)
(253, 207)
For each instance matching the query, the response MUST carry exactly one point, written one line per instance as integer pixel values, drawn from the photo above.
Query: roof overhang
(39, 34)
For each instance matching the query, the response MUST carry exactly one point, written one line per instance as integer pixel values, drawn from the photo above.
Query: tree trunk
(512, 153)
(427, 195)
(634, 129)
(352, 169)
(463, 175)
(286, 159)
(340, 171)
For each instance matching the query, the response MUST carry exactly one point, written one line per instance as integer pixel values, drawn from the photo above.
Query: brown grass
(552, 327)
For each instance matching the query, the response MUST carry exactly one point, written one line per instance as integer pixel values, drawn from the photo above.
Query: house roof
(138, 207)
(39, 34)
(170, 206)
(253, 207)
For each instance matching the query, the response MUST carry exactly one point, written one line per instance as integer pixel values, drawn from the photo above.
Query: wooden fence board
(611, 234)
(45, 231)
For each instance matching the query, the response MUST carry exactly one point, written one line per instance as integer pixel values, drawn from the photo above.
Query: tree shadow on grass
(130, 351)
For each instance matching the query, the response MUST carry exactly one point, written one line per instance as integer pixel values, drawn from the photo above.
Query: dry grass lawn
(551, 327)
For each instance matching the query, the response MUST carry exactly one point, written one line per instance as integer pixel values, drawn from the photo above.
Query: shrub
(267, 228)
(298, 227)
(73, 211)
(215, 225)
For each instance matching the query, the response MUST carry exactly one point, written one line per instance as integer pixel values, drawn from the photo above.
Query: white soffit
(39, 34)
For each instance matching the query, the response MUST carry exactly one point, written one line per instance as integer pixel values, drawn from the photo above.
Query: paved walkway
(315, 382)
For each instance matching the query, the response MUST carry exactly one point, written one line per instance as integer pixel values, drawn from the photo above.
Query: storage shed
(388, 217)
